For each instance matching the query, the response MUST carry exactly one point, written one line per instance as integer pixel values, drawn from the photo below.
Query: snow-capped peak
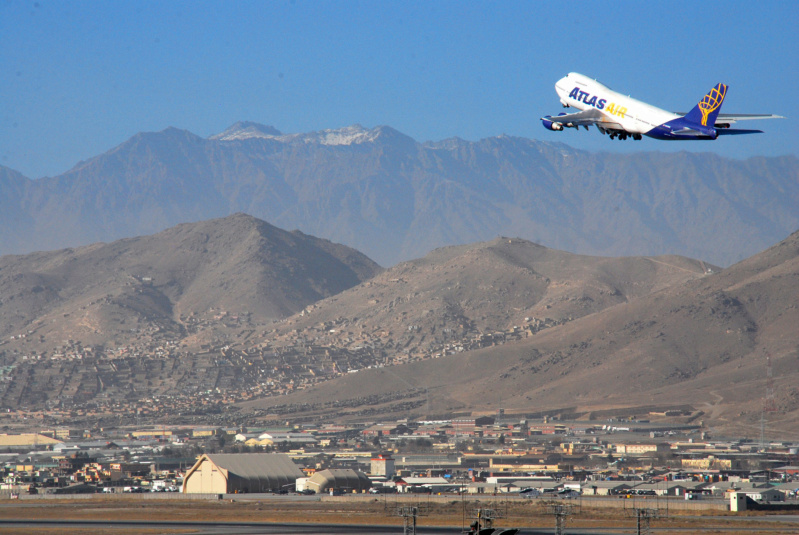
(349, 135)
(247, 130)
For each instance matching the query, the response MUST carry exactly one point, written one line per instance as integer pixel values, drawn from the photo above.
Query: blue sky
(79, 78)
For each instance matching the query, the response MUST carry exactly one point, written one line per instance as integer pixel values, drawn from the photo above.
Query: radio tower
(769, 405)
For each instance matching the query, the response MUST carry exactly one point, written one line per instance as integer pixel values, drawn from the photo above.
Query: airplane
(621, 116)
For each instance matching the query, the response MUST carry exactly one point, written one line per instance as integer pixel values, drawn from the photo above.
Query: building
(385, 430)
(642, 449)
(737, 501)
(711, 463)
(227, 473)
(292, 439)
(789, 490)
(205, 432)
(467, 423)
(339, 480)
(760, 493)
(26, 440)
(382, 465)
(605, 488)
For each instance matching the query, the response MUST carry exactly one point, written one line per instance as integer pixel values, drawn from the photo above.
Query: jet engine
(550, 125)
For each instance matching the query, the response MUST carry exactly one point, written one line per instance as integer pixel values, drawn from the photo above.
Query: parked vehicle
(383, 490)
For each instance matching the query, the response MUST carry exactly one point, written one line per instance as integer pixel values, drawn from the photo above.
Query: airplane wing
(585, 118)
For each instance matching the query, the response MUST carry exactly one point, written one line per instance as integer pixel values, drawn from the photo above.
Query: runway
(103, 527)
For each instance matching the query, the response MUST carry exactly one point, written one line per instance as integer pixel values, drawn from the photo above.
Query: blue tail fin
(707, 110)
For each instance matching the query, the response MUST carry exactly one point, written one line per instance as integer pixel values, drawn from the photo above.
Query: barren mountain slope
(456, 294)
(109, 293)
(703, 342)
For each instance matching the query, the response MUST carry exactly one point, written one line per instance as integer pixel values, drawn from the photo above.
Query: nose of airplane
(561, 86)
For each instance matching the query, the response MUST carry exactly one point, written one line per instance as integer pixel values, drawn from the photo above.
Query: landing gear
(624, 135)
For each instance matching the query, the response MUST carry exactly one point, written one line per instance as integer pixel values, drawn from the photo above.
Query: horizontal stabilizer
(735, 132)
(729, 118)
(748, 116)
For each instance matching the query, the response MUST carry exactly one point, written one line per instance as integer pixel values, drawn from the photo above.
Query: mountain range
(241, 308)
(719, 346)
(395, 199)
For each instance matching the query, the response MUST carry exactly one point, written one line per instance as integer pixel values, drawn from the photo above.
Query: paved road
(233, 528)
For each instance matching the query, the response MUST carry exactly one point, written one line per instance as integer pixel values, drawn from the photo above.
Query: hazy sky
(78, 78)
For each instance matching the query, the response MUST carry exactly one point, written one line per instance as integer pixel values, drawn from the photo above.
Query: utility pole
(484, 519)
(409, 514)
(561, 512)
(644, 517)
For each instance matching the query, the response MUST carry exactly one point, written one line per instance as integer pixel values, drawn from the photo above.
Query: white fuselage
(583, 93)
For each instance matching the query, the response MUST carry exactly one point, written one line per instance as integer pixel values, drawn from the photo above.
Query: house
(227, 473)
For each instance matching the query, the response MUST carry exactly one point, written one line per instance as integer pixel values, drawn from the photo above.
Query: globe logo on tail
(712, 101)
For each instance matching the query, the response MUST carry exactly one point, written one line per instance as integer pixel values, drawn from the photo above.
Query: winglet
(707, 110)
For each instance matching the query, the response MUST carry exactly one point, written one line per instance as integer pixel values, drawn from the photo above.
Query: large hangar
(227, 473)
(339, 479)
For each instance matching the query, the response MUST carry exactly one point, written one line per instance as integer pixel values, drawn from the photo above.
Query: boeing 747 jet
(621, 117)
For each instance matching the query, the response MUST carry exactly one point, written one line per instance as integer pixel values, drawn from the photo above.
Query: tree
(424, 443)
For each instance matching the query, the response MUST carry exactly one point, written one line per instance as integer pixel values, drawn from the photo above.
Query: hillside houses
(96, 381)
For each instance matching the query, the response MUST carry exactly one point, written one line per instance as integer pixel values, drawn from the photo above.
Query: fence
(602, 502)
(6, 494)
(673, 504)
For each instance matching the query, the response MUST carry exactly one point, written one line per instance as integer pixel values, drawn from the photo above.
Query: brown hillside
(452, 297)
(166, 283)
(703, 342)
